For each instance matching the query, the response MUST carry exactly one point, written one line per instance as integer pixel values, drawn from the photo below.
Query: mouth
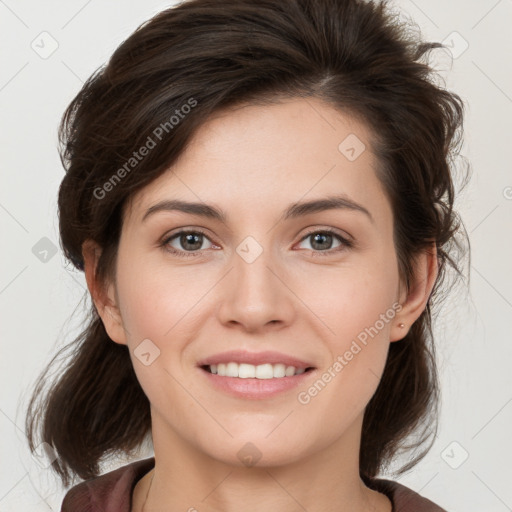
(255, 375)
(250, 371)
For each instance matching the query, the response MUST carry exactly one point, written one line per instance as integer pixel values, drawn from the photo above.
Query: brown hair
(211, 55)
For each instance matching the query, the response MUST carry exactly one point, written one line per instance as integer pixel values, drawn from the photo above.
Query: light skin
(298, 297)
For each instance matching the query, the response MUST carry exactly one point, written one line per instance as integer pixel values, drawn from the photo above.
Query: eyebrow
(293, 211)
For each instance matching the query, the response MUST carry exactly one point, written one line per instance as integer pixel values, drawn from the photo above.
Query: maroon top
(112, 492)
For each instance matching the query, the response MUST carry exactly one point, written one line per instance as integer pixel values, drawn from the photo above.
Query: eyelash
(345, 243)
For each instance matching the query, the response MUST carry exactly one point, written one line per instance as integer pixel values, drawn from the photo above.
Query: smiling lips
(253, 375)
(248, 371)
(259, 365)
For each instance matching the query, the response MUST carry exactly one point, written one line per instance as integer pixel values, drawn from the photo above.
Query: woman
(259, 194)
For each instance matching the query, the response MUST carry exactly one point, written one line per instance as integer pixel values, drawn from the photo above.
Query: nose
(255, 295)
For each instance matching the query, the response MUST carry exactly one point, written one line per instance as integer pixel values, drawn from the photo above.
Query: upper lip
(254, 358)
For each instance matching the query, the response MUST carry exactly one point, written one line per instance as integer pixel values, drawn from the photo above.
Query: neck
(185, 478)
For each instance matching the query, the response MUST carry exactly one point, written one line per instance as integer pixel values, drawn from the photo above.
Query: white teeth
(231, 370)
(249, 371)
(264, 371)
(246, 371)
(279, 370)
(290, 370)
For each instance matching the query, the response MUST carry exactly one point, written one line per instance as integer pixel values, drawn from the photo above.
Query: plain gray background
(50, 48)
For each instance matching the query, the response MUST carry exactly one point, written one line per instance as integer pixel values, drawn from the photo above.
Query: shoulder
(109, 492)
(403, 498)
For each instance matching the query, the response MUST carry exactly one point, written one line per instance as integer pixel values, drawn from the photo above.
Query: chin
(258, 451)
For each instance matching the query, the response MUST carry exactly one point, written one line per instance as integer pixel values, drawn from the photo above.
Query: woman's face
(266, 278)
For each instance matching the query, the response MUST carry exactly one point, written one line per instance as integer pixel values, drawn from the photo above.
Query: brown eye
(189, 242)
(321, 241)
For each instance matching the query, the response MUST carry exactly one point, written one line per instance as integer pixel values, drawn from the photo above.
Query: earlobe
(414, 301)
(103, 294)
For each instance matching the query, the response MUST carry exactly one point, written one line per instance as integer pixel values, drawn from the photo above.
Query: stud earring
(401, 325)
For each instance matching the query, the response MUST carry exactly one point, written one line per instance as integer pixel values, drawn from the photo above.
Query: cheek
(155, 301)
(165, 307)
(357, 314)
(350, 298)
(156, 308)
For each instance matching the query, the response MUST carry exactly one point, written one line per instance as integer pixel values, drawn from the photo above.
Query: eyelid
(166, 239)
(332, 231)
(345, 239)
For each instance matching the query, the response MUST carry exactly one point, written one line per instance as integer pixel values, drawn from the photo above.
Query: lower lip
(255, 389)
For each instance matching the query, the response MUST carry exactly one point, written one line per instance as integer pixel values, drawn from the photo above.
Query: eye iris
(185, 240)
(193, 241)
(317, 240)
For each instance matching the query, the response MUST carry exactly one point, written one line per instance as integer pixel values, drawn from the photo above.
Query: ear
(103, 294)
(414, 301)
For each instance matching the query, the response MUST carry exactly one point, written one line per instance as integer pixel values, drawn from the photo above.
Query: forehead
(255, 157)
